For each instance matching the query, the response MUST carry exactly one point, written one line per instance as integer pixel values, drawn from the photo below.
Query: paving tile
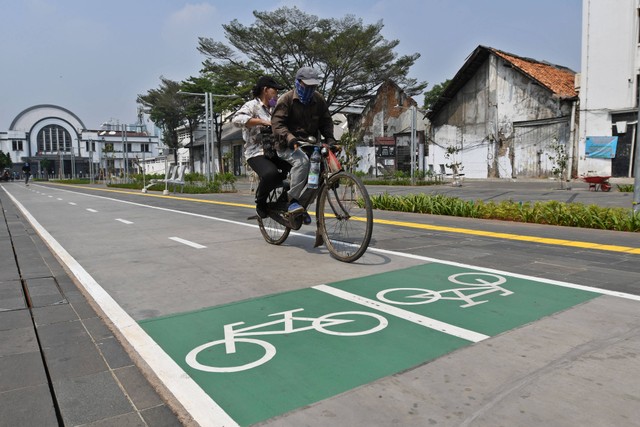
(114, 354)
(54, 314)
(18, 341)
(21, 370)
(15, 319)
(44, 291)
(132, 419)
(31, 406)
(160, 416)
(74, 360)
(90, 398)
(97, 329)
(62, 333)
(138, 388)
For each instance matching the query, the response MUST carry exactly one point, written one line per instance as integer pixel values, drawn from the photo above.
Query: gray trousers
(299, 170)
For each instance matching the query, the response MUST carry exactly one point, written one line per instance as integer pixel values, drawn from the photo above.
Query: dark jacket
(293, 120)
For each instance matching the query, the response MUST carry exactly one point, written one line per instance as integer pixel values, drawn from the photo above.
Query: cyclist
(252, 117)
(26, 169)
(300, 113)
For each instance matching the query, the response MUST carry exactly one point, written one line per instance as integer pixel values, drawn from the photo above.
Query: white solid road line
(404, 314)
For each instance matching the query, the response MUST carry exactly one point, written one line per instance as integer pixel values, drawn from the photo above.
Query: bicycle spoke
(274, 228)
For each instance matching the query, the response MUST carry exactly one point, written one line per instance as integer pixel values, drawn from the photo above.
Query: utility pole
(636, 173)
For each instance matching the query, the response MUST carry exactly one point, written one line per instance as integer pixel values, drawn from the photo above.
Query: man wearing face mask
(253, 117)
(301, 113)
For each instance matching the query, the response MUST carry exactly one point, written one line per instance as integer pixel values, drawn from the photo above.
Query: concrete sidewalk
(59, 363)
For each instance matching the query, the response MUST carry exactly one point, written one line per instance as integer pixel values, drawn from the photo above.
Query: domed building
(57, 143)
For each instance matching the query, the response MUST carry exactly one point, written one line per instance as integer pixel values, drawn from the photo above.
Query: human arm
(280, 119)
(249, 116)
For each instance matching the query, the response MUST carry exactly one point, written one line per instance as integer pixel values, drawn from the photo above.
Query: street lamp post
(414, 114)
(209, 142)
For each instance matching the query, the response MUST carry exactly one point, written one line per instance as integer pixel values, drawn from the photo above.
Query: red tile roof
(559, 80)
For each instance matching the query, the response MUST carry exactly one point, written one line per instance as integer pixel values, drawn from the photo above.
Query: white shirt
(252, 109)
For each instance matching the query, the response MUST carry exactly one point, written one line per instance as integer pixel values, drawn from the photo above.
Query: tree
(353, 58)
(431, 96)
(560, 161)
(219, 83)
(5, 160)
(167, 110)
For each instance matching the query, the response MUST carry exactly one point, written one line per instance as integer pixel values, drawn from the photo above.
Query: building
(504, 116)
(385, 126)
(609, 87)
(58, 144)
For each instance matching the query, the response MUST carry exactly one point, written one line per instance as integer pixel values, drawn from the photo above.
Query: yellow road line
(493, 234)
(543, 240)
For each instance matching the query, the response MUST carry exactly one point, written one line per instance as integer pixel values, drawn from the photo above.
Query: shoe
(261, 210)
(306, 218)
(295, 208)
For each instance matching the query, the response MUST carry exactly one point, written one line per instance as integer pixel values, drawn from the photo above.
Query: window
(144, 148)
(16, 145)
(90, 146)
(53, 139)
(128, 147)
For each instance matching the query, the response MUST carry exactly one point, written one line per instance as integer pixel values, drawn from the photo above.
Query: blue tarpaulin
(603, 147)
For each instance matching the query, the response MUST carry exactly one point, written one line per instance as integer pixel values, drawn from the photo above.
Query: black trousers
(271, 172)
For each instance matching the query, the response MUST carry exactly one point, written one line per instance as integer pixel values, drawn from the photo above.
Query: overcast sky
(94, 57)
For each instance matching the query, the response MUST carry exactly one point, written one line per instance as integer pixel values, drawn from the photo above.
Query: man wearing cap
(301, 113)
(252, 117)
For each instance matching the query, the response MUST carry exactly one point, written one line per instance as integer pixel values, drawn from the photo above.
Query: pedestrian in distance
(26, 169)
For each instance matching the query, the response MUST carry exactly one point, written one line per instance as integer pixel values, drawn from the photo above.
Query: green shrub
(551, 212)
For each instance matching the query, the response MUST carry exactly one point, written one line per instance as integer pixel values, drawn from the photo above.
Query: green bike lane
(292, 349)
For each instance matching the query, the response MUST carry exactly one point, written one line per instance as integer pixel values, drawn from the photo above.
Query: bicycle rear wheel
(345, 216)
(272, 227)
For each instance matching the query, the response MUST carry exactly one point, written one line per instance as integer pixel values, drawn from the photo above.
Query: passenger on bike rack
(301, 113)
(254, 117)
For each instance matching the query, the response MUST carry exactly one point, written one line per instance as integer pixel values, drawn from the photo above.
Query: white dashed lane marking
(187, 242)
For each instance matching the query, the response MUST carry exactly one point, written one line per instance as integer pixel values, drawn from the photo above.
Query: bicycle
(232, 336)
(418, 296)
(344, 214)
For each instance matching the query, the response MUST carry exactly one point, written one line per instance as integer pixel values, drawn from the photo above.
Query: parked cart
(597, 183)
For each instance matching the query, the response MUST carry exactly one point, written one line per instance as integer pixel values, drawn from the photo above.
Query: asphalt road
(149, 257)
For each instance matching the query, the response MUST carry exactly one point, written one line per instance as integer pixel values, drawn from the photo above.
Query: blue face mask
(305, 93)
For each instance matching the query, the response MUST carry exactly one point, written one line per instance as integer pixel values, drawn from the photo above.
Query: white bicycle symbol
(321, 324)
(416, 296)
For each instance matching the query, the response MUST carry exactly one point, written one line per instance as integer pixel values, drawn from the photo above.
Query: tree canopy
(353, 58)
(431, 96)
(167, 109)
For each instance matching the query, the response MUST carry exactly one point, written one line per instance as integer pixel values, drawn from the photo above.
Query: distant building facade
(503, 116)
(609, 87)
(57, 143)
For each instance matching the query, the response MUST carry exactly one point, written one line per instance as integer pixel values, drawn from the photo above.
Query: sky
(94, 57)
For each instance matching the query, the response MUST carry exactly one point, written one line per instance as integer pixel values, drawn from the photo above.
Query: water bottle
(314, 169)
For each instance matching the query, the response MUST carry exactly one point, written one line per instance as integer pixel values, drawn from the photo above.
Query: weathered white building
(504, 116)
(56, 137)
(609, 85)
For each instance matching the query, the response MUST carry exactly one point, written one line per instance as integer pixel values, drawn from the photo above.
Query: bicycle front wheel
(345, 216)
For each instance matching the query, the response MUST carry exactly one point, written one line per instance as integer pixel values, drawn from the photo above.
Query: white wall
(608, 71)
